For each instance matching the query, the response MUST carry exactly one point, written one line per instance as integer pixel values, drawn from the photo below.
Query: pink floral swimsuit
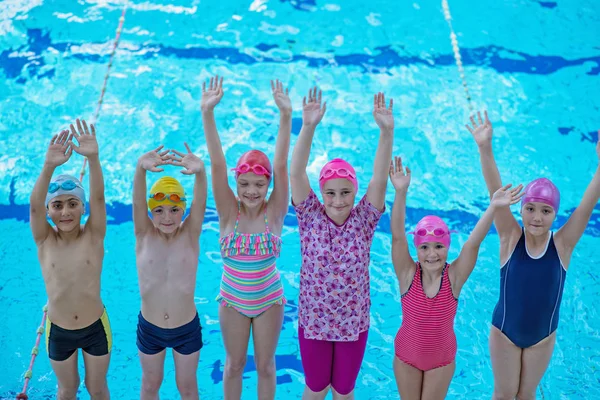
(334, 278)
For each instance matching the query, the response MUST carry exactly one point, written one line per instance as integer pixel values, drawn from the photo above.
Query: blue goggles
(66, 185)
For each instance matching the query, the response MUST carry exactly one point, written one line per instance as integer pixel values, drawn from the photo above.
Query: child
(167, 252)
(534, 264)
(71, 257)
(333, 318)
(251, 295)
(425, 345)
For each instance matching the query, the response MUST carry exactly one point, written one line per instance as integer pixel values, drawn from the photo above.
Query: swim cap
(338, 169)
(65, 184)
(168, 186)
(253, 161)
(431, 229)
(542, 190)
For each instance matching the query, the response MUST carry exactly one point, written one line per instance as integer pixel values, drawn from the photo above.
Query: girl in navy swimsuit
(533, 269)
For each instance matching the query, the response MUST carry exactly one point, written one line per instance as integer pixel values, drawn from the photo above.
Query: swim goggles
(342, 172)
(66, 185)
(172, 197)
(257, 169)
(437, 232)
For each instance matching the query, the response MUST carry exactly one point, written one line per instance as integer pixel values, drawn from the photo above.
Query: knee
(235, 366)
(188, 387)
(265, 368)
(68, 392)
(98, 389)
(151, 383)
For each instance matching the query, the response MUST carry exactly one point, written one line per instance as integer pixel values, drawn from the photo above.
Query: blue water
(539, 81)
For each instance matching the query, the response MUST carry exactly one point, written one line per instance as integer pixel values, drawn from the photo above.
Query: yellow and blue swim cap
(166, 189)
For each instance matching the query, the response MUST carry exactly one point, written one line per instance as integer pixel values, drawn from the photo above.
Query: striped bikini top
(250, 244)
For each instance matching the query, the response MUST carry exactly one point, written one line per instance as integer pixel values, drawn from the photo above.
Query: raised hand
(281, 97)
(153, 159)
(191, 162)
(399, 178)
(383, 116)
(88, 145)
(212, 95)
(505, 196)
(481, 130)
(312, 110)
(60, 149)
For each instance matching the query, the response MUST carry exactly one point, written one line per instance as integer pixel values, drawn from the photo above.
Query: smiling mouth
(66, 221)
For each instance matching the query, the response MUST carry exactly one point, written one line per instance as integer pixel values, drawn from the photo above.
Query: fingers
(391, 104)
(180, 154)
(304, 102)
(93, 127)
(487, 120)
(163, 153)
(186, 172)
(79, 128)
(154, 169)
(391, 171)
(85, 127)
(469, 128)
(323, 109)
(407, 171)
(473, 121)
(319, 98)
(158, 148)
(187, 147)
(73, 131)
(53, 140)
(479, 118)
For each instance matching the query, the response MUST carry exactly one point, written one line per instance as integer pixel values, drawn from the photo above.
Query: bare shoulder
(564, 251)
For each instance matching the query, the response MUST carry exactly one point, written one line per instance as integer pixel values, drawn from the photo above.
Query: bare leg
(152, 374)
(535, 360)
(186, 367)
(506, 364)
(408, 379)
(235, 329)
(265, 332)
(337, 396)
(310, 395)
(437, 381)
(67, 376)
(96, 368)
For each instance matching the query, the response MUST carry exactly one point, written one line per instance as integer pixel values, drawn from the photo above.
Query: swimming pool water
(533, 64)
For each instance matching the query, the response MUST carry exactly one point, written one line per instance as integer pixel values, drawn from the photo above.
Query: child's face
(537, 218)
(252, 189)
(66, 211)
(432, 255)
(338, 196)
(167, 218)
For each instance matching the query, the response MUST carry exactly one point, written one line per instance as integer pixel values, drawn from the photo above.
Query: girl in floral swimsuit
(336, 239)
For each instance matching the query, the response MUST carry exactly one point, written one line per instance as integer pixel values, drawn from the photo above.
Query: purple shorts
(331, 363)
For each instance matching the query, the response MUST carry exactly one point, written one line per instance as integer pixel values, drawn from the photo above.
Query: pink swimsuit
(426, 339)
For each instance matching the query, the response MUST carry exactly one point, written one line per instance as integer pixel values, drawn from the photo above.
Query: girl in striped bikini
(251, 295)
(425, 345)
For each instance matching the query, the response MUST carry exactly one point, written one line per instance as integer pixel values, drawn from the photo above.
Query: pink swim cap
(431, 229)
(253, 161)
(338, 169)
(542, 190)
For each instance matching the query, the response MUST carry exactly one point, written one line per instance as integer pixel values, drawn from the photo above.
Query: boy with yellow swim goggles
(167, 251)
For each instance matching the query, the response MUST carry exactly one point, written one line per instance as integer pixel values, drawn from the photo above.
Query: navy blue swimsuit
(530, 295)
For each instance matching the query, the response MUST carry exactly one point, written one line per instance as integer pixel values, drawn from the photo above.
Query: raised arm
(193, 165)
(482, 131)
(312, 113)
(572, 231)
(88, 147)
(385, 120)
(280, 195)
(57, 154)
(463, 266)
(224, 196)
(403, 262)
(148, 162)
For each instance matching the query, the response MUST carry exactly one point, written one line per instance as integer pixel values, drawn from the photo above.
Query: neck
(254, 212)
(70, 235)
(536, 241)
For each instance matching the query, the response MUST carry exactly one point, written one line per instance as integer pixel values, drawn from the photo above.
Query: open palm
(211, 95)
(312, 110)
(505, 196)
(383, 116)
(400, 179)
(88, 145)
(153, 159)
(59, 150)
(481, 129)
(191, 163)
(281, 97)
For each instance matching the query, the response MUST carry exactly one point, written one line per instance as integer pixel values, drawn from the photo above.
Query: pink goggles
(257, 169)
(340, 172)
(436, 232)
